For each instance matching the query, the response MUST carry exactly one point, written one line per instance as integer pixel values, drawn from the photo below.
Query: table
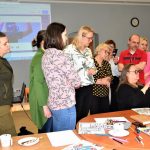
(108, 142)
(44, 143)
(18, 107)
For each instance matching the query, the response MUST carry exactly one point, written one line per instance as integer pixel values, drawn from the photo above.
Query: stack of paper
(145, 111)
(63, 138)
(146, 130)
(144, 119)
(91, 128)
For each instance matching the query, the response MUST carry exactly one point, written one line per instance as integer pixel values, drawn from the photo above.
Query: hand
(92, 71)
(106, 81)
(103, 81)
(47, 112)
(116, 59)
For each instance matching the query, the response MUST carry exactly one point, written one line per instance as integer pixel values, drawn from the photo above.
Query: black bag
(24, 131)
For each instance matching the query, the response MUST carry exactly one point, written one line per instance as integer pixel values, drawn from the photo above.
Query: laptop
(20, 97)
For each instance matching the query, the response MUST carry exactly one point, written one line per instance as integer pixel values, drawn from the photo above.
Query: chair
(19, 99)
(27, 94)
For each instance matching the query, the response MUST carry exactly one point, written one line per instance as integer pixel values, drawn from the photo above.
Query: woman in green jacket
(38, 95)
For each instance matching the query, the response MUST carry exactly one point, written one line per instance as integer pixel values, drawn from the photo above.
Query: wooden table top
(109, 144)
(132, 144)
(43, 144)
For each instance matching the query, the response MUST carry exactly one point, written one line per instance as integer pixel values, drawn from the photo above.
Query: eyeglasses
(89, 38)
(135, 71)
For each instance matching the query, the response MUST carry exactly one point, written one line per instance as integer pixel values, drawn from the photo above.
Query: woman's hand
(145, 88)
(103, 81)
(92, 71)
(47, 112)
(116, 59)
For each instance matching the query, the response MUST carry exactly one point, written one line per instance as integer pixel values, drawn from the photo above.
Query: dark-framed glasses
(135, 71)
(89, 38)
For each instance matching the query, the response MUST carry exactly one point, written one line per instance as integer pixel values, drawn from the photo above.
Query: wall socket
(17, 90)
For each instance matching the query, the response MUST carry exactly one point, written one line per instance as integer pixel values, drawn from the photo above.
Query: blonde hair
(142, 38)
(102, 46)
(83, 31)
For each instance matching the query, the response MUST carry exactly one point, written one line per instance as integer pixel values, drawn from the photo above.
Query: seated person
(129, 93)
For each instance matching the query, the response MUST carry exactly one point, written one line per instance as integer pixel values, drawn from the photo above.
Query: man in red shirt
(133, 55)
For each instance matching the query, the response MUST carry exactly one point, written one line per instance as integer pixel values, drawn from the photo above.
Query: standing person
(6, 89)
(61, 78)
(82, 57)
(113, 60)
(134, 55)
(100, 103)
(144, 45)
(38, 95)
(130, 94)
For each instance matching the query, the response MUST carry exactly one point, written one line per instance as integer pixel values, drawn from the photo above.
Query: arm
(140, 66)
(120, 66)
(145, 88)
(104, 81)
(143, 60)
(71, 74)
(121, 62)
(107, 79)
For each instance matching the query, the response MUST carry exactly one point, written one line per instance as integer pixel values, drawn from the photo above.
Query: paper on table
(63, 138)
(103, 120)
(90, 128)
(145, 111)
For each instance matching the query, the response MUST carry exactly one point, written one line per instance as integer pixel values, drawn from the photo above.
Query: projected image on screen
(22, 26)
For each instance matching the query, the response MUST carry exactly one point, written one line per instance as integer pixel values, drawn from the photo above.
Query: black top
(102, 71)
(129, 97)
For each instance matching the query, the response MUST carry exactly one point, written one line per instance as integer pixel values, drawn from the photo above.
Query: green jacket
(38, 95)
(6, 78)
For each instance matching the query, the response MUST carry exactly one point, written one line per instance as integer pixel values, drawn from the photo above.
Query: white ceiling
(143, 2)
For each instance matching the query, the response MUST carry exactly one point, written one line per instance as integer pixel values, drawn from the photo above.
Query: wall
(110, 21)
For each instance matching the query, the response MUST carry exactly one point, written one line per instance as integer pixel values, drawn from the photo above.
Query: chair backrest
(19, 99)
(22, 91)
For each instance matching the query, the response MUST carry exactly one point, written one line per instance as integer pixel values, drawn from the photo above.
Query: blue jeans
(47, 127)
(64, 119)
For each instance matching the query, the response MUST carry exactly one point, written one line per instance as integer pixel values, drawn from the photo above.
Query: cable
(25, 112)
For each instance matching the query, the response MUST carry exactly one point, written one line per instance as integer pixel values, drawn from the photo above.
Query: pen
(140, 140)
(115, 121)
(117, 141)
(136, 133)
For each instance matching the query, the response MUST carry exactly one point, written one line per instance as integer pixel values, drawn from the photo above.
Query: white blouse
(82, 62)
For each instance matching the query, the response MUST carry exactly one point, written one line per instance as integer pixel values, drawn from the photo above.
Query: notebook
(144, 119)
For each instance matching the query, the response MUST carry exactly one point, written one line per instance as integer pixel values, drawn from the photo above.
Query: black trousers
(113, 86)
(99, 105)
(84, 97)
